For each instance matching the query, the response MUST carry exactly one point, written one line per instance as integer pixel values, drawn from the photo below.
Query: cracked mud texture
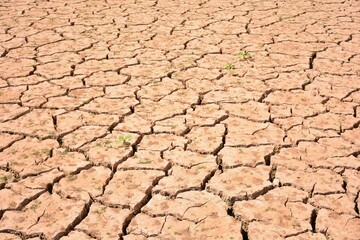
(192, 119)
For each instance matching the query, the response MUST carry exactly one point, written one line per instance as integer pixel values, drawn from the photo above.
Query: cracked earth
(180, 119)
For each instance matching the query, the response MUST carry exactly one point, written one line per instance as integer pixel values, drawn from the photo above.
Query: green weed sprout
(125, 140)
(244, 55)
(230, 68)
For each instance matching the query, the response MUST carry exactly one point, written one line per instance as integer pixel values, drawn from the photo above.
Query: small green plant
(244, 55)
(125, 140)
(229, 67)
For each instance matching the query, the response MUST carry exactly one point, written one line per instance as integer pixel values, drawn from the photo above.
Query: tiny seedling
(125, 140)
(229, 67)
(244, 55)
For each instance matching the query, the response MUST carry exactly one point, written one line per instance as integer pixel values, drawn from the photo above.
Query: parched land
(179, 119)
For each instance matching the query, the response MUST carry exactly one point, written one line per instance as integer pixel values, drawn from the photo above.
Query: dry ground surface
(179, 119)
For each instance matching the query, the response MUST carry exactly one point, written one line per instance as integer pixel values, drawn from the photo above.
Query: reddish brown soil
(169, 119)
